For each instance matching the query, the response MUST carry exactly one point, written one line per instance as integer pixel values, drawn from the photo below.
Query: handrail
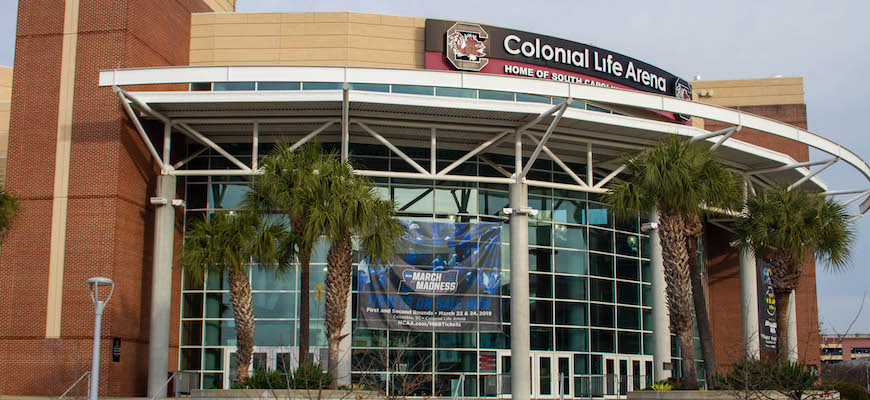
(74, 384)
(171, 377)
(460, 388)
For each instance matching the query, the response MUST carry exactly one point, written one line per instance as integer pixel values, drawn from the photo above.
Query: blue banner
(447, 277)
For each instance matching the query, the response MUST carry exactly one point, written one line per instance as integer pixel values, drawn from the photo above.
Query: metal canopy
(394, 119)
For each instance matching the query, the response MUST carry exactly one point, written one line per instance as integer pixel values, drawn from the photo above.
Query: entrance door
(624, 374)
(552, 375)
(279, 358)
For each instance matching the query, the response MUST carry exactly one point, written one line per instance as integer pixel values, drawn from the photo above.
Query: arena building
(119, 108)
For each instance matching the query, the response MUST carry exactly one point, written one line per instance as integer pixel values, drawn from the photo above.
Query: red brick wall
(110, 224)
(725, 314)
(794, 114)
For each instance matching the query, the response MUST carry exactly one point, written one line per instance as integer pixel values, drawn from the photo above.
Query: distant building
(837, 348)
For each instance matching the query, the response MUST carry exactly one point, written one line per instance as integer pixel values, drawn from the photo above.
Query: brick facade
(109, 223)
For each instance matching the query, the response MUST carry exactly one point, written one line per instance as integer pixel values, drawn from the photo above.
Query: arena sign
(447, 278)
(474, 47)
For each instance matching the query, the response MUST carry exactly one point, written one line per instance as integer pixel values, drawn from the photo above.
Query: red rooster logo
(467, 45)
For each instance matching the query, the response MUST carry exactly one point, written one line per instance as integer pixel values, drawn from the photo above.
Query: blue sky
(826, 42)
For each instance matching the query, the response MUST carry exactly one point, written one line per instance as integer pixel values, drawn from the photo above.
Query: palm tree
(226, 243)
(287, 174)
(680, 180)
(8, 210)
(348, 207)
(786, 228)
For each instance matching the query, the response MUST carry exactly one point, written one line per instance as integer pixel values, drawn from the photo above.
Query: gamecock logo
(466, 46)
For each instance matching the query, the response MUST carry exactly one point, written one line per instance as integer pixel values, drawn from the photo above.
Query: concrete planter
(720, 395)
(284, 394)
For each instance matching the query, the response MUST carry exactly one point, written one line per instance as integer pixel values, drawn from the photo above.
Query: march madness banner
(447, 277)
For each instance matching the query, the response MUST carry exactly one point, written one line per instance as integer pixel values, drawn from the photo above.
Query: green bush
(263, 379)
(848, 391)
(310, 376)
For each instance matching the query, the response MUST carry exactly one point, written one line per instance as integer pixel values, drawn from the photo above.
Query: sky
(826, 42)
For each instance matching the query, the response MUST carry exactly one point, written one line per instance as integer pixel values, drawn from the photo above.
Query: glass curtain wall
(589, 281)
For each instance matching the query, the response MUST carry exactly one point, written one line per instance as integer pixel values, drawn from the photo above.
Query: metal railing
(74, 385)
(460, 388)
(171, 378)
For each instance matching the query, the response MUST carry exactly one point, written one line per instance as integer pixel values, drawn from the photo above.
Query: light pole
(94, 287)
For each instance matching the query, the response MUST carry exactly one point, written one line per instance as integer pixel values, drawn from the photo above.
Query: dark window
(600, 290)
(279, 86)
(603, 341)
(570, 287)
(601, 315)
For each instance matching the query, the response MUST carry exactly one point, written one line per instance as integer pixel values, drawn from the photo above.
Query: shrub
(848, 391)
(264, 379)
(310, 376)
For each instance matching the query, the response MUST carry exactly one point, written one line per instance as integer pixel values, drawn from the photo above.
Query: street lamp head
(94, 287)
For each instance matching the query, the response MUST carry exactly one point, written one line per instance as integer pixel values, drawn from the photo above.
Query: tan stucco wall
(334, 39)
(5, 110)
(750, 92)
(222, 5)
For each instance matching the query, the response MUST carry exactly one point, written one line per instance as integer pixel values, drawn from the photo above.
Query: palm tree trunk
(337, 290)
(243, 312)
(702, 314)
(304, 303)
(687, 362)
(675, 257)
(782, 299)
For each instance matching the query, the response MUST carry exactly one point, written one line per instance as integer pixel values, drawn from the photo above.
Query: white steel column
(791, 330)
(342, 374)
(520, 310)
(161, 287)
(661, 321)
(749, 304)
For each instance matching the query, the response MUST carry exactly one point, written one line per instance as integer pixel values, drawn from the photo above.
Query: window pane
(541, 312)
(540, 233)
(541, 285)
(571, 262)
(627, 293)
(413, 199)
(627, 244)
(456, 201)
(233, 86)
(321, 85)
(645, 271)
(278, 86)
(629, 343)
(456, 361)
(411, 360)
(412, 89)
(603, 341)
(220, 333)
(540, 259)
(213, 360)
(572, 237)
(492, 203)
(571, 211)
(533, 98)
(647, 295)
(274, 304)
(191, 359)
(628, 225)
(273, 333)
(370, 87)
(191, 333)
(217, 305)
(419, 339)
(599, 215)
(544, 207)
(570, 287)
(494, 95)
(449, 340)
(647, 320)
(568, 339)
(601, 315)
(495, 340)
(200, 86)
(628, 318)
(455, 92)
(601, 240)
(270, 280)
(369, 338)
(541, 338)
(601, 290)
(571, 314)
(627, 268)
(192, 305)
(226, 196)
(601, 264)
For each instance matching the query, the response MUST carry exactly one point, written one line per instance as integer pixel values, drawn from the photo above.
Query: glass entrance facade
(589, 287)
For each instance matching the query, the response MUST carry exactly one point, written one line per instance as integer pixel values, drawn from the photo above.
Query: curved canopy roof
(472, 112)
